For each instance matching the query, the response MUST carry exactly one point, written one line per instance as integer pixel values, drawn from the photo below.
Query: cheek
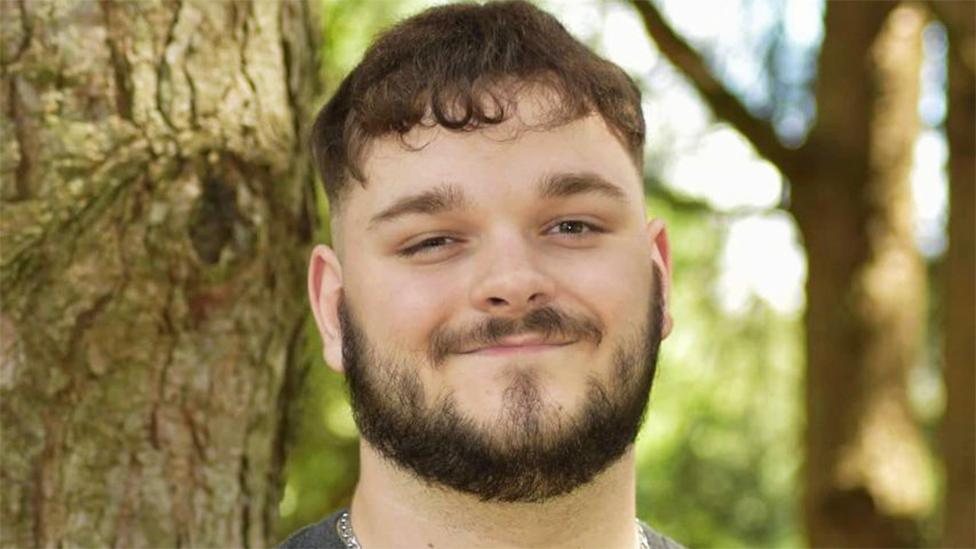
(614, 284)
(400, 307)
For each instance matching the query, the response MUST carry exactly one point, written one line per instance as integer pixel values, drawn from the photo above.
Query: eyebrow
(564, 185)
(449, 196)
(440, 199)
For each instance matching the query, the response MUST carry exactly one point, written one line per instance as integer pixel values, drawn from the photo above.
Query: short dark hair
(451, 66)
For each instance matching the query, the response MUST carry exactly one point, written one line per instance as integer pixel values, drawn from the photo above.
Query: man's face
(496, 309)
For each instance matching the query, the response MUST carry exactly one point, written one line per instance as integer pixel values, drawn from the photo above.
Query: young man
(495, 295)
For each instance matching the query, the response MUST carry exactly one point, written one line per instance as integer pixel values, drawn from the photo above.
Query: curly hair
(454, 66)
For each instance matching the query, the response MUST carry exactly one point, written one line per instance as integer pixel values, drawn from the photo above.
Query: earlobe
(324, 291)
(657, 235)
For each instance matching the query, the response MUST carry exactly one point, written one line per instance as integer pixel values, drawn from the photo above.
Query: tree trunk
(865, 475)
(958, 435)
(155, 219)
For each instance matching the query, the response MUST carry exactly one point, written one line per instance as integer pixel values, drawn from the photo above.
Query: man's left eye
(573, 227)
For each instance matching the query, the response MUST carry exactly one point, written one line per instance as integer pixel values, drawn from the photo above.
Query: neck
(392, 508)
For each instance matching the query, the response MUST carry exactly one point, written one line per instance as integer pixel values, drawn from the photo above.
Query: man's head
(463, 67)
(498, 295)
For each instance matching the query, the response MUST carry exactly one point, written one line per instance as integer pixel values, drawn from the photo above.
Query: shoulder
(321, 535)
(656, 540)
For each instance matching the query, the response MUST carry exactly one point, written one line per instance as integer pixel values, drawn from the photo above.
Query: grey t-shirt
(323, 535)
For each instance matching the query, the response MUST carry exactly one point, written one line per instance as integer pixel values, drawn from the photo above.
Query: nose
(510, 281)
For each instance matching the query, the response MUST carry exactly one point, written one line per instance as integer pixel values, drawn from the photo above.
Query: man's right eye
(427, 245)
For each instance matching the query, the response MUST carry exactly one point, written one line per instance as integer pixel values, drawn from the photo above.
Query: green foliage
(720, 449)
(323, 460)
(350, 26)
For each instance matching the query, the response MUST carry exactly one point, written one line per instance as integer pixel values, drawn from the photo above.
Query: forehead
(497, 159)
(505, 160)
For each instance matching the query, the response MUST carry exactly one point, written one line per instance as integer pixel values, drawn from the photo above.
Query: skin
(500, 250)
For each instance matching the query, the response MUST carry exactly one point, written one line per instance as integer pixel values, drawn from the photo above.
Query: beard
(532, 452)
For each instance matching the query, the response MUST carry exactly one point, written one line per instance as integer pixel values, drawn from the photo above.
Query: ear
(324, 290)
(657, 236)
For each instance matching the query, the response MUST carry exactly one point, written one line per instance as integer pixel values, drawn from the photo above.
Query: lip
(518, 345)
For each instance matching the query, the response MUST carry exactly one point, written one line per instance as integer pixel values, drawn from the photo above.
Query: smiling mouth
(506, 349)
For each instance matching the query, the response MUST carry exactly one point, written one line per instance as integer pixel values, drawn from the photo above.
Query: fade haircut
(454, 66)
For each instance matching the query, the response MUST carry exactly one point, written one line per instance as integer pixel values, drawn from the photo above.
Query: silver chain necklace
(344, 529)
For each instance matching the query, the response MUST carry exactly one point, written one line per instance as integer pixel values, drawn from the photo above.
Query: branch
(723, 104)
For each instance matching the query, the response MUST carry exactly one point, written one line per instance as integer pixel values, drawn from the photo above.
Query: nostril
(497, 301)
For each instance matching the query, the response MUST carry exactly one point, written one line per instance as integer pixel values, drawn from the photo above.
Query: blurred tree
(155, 216)
(959, 437)
(864, 477)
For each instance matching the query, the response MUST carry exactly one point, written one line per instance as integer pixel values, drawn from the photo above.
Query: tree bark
(156, 212)
(958, 434)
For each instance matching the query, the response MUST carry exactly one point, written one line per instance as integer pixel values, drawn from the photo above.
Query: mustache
(549, 322)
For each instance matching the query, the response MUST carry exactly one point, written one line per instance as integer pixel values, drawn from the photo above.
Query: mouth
(517, 346)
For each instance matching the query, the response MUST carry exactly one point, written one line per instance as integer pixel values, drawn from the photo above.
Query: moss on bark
(154, 229)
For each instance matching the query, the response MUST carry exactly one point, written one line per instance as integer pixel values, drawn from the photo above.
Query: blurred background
(161, 384)
(722, 453)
